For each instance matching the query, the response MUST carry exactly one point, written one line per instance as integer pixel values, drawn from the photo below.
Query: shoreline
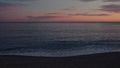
(101, 60)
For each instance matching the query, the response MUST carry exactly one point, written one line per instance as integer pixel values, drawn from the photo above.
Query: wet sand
(102, 60)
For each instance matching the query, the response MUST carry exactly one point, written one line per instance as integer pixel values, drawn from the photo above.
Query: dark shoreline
(102, 60)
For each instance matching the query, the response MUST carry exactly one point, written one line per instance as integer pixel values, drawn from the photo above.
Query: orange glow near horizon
(112, 17)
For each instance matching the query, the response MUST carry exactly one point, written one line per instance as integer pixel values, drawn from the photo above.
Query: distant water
(58, 39)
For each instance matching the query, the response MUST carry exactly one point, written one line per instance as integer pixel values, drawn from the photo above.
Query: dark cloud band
(21, 0)
(101, 0)
(4, 4)
(89, 14)
(43, 17)
(87, 0)
(111, 8)
(111, 0)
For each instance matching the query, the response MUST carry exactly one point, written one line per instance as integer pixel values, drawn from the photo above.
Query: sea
(58, 39)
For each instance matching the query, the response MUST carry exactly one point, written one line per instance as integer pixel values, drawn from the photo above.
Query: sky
(59, 10)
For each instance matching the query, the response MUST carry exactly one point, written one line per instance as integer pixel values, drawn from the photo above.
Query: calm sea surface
(58, 39)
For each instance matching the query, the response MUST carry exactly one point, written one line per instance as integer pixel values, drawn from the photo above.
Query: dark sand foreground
(103, 60)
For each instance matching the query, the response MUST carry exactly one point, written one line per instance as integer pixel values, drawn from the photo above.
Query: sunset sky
(59, 10)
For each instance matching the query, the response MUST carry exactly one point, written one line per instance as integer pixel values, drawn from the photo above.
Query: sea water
(58, 39)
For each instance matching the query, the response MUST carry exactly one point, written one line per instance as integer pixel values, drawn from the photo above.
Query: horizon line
(60, 21)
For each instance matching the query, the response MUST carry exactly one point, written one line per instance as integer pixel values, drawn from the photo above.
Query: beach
(101, 60)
